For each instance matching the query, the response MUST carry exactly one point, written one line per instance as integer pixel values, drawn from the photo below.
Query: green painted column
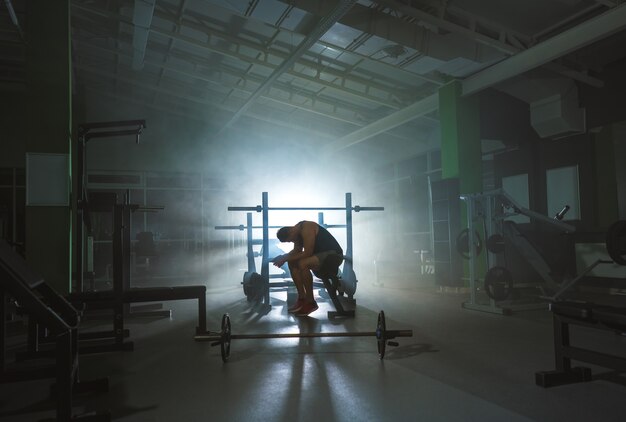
(461, 155)
(48, 108)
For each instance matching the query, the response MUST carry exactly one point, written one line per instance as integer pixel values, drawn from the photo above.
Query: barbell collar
(258, 208)
(358, 208)
(389, 334)
(241, 227)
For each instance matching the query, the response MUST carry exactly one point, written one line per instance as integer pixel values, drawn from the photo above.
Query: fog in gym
(457, 166)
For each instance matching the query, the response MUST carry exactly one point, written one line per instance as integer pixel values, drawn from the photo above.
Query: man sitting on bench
(314, 249)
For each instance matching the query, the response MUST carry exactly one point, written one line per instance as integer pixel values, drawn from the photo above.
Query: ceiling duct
(142, 19)
(558, 115)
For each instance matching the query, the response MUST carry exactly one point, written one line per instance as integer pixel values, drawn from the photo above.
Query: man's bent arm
(308, 244)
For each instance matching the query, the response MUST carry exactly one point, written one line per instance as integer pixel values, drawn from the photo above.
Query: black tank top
(324, 241)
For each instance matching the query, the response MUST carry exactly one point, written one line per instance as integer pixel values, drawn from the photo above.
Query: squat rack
(86, 132)
(264, 208)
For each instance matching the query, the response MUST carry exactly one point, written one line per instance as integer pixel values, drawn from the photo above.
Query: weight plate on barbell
(616, 242)
(498, 283)
(348, 281)
(462, 243)
(225, 338)
(495, 243)
(381, 334)
(253, 286)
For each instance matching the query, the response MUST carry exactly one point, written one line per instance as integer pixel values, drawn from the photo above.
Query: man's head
(286, 234)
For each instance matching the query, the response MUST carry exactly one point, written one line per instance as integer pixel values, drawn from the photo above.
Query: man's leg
(307, 282)
(297, 279)
(305, 266)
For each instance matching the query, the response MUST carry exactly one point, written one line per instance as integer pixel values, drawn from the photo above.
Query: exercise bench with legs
(42, 304)
(566, 314)
(122, 295)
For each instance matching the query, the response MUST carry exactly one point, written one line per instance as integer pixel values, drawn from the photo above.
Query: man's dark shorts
(329, 262)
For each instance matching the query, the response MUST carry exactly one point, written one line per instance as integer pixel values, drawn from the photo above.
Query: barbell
(259, 208)
(225, 336)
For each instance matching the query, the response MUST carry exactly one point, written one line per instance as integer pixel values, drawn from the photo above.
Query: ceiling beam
(310, 97)
(415, 110)
(142, 19)
(319, 68)
(385, 25)
(405, 32)
(560, 45)
(176, 93)
(497, 44)
(255, 79)
(103, 92)
(292, 72)
(323, 26)
(445, 9)
(449, 26)
(265, 49)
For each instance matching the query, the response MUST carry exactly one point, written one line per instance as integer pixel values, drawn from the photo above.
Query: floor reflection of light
(345, 392)
(265, 391)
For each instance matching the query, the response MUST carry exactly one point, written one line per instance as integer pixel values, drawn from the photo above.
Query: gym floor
(460, 365)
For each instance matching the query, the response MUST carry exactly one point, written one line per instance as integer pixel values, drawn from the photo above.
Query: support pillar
(48, 228)
(461, 155)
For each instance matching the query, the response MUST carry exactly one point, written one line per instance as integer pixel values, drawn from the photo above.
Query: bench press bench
(566, 314)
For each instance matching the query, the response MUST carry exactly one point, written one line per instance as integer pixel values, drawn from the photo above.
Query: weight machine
(493, 208)
(603, 317)
(87, 132)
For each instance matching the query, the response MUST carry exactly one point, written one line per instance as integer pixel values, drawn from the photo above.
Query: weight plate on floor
(381, 334)
(225, 338)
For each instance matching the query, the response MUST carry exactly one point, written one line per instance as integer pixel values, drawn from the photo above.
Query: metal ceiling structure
(342, 74)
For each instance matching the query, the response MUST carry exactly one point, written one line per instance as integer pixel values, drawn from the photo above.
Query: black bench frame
(41, 303)
(588, 315)
(118, 298)
(332, 283)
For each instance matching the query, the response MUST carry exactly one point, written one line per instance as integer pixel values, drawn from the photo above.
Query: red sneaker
(307, 308)
(296, 306)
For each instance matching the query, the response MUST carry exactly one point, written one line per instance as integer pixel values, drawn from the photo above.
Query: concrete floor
(460, 365)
